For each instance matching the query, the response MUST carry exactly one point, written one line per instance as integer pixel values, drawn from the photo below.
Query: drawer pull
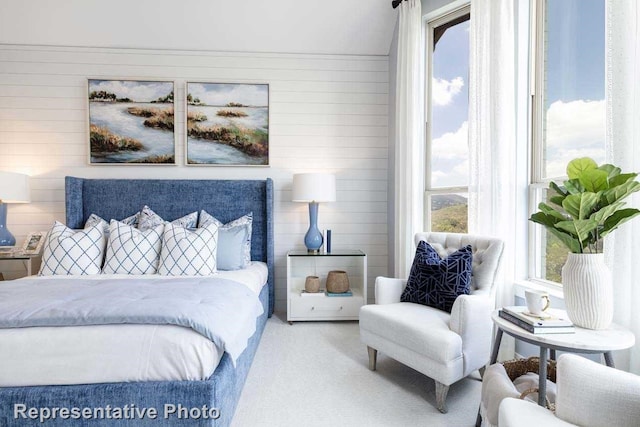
(326, 309)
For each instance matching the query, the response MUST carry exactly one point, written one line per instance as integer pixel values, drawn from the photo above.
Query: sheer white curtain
(409, 157)
(623, 150)
(492, 134)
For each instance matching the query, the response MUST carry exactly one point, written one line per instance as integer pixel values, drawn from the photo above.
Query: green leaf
(617, 219)
(620, 192)
(577, 167)
(557, 200)
(594, 180)
(555, 187)
(604, 213)
(544, 219)
(579, 228)
(611, 170)
(570, 242)
(621, 179)
(580, 206)
(573, 186)
(551, 211)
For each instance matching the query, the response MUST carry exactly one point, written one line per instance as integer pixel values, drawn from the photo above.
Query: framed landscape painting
(131, 122)
(227, 124)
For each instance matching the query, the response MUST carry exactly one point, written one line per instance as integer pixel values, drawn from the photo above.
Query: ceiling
(360, 27)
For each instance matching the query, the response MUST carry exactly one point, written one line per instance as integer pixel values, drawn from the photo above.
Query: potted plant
(581, 213)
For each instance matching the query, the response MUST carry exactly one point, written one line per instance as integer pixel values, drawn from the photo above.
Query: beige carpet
(316, 374)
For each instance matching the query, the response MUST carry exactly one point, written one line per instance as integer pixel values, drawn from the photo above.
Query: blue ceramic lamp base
(6, 238)
(313, 239)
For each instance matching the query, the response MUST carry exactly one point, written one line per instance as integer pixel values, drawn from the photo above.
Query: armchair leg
(481, 371)
(373, 354)
(441, 397)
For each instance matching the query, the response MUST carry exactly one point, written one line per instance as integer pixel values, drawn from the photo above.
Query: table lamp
(14, 188)
(314, 188)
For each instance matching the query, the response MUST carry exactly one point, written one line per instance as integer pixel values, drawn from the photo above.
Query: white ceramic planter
(588, 291)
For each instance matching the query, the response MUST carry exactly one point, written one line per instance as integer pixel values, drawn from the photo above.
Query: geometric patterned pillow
(95, 220)
(437, 282)
(188, 253)
(234, 240)
(70, 252)
(131, 251)
(149, 219)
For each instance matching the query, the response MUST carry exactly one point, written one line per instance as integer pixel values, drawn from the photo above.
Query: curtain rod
(395, 3)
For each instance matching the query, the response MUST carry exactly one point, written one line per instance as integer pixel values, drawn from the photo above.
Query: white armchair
(589, 395)
(444, 346)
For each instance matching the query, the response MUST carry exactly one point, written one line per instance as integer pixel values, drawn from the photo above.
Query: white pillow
(95, 220)
(132, 251)
(149, 219)
(188, 253)
(70, 252)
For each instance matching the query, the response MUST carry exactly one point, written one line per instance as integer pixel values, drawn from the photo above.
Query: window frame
(537, 182)
(461, 9)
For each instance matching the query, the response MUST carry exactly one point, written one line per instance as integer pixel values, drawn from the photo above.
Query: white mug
(537, 301)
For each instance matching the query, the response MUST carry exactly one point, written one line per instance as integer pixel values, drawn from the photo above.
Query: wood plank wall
(327, 113)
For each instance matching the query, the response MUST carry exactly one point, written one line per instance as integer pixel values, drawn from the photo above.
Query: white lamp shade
(314, 187)
(14, 188)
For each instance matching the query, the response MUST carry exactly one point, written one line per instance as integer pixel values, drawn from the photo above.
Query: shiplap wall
(327, 113)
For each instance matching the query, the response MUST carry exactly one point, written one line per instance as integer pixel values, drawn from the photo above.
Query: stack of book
(551, 322)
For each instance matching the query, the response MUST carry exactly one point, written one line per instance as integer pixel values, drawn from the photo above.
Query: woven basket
(337, 281)
(519, 367)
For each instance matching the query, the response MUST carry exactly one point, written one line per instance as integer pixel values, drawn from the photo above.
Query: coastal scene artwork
(131, 122)
(227, 124)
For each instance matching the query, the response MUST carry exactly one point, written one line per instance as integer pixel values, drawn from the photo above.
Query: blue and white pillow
(148, 219)
(71, 252)
(132, 251)
(435, 281)
(188, 253)
(95, 220)
(234, 240)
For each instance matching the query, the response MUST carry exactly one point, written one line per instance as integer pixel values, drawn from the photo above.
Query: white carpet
(316, 374)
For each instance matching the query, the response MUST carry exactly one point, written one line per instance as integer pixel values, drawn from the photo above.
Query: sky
(220, 94)
(574, 105)
(138, 91)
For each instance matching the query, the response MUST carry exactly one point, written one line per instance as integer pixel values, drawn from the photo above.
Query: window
(568, 106)
(447, 133)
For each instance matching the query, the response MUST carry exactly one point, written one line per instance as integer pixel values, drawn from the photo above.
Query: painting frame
(242, 118)
(158, 149)
(34, 242)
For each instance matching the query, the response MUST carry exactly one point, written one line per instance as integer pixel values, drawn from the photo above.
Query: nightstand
(26, 260)
(301, 264)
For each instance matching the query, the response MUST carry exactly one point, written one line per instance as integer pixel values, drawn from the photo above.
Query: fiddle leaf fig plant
(588, 205)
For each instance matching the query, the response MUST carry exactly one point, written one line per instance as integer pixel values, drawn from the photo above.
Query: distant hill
(440, 201)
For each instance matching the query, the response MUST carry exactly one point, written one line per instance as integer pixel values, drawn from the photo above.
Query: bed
(109, 198)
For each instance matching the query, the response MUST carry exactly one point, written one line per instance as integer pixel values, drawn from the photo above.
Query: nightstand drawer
(325, 307)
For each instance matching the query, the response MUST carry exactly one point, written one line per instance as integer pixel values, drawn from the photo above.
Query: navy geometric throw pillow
(437, 282)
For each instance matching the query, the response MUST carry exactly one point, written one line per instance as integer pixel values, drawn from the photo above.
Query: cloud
(450, 158)
(443, 91)
(222, 94)
(573, 129)
(137, 91)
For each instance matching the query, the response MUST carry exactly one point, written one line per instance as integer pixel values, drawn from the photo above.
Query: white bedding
(113, 353)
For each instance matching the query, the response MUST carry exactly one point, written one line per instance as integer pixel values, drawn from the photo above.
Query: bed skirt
(190, 403)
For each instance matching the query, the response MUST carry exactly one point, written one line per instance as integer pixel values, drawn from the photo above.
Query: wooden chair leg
(481, 370)
(373, 355)
(441, 397)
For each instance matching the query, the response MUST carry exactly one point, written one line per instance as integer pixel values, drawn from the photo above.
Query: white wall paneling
(328, 113)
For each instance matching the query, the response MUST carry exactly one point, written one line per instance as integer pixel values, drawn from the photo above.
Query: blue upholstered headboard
(171, 199)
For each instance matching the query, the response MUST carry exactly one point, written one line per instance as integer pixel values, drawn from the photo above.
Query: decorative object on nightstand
(314, 188)
(337, 282)
(14, 188)
(34, 242)
(588, 207)
(312, 284)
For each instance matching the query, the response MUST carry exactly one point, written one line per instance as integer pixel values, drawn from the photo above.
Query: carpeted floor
(316, 374)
